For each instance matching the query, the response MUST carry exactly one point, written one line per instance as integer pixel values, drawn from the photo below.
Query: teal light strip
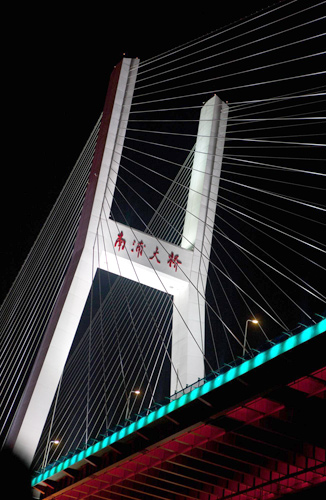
(220, 380)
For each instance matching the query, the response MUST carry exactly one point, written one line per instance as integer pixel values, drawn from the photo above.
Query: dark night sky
(56, 70)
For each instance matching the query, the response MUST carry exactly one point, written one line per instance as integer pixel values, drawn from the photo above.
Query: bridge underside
(261, 435)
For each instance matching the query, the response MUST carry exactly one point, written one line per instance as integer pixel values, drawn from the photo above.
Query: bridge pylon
(180, 270)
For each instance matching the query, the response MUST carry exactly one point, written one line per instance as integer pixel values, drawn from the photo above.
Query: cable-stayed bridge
(195, 209)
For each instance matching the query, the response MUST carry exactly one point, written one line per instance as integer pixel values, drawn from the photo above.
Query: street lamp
(47, 451)
(255, 321)
(128, 402)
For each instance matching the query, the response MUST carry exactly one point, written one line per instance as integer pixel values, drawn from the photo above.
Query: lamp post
(128, 402)
(255, 321)
(47, 451)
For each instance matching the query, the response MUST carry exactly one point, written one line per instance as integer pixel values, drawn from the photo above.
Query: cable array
(27, 308)
(267, 256)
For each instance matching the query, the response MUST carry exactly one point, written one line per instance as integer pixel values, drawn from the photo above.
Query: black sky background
(56, 64)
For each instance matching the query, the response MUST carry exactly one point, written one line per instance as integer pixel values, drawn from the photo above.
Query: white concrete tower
(115, 254)
(188, 341)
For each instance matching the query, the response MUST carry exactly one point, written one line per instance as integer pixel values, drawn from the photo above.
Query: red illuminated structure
(261, 435)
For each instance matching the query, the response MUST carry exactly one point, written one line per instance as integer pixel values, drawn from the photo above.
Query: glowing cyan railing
(231, 374)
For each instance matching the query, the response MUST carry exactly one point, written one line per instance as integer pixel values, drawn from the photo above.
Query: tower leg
(31, 416)
(188, 339)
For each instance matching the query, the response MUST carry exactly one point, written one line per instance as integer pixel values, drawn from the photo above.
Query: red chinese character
(173, 259)
(139, 248)
(155, 255)
(120, 242)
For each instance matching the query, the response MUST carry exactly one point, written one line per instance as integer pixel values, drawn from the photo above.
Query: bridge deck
(255, 432)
